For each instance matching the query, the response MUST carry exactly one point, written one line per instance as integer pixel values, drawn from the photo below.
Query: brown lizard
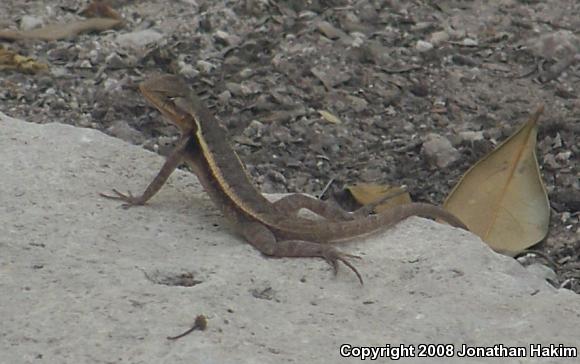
(274, 228)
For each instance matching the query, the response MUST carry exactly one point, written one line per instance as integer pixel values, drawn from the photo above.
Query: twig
(199, 324)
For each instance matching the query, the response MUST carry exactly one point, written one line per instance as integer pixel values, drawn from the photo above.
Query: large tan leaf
(502, 198)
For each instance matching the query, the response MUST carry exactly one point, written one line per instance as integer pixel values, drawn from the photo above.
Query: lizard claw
(128, 199)
(333, 256)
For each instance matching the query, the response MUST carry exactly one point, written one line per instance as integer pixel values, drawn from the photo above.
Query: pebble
(30, 22)
(358, 104)
(114, 61)
(468, 42)
(329, 30)
(139, 39)
(224, 97)
(470, 136)
(437, 38)
(255, 130)
(226, 38)
(86, 64)
(439, 151)
(423, 46)
(187, 70)
(205, 66)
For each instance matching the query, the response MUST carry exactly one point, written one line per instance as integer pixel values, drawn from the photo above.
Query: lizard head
(171, 96)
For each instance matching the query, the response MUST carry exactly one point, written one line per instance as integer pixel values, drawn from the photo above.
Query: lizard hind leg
(263, 239)
(291, 204)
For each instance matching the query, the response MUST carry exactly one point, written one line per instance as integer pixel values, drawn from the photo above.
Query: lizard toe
(334, 256)
(128, 199)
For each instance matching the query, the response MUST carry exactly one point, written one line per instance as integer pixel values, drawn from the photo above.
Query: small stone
(439, 151)
(470, 136)
(437, 38)
(59, 72)
(139, 39)
(205, 66)
(358, 104)
(187, 70)
(249, 87)
(96, 57)
(329, 30)
(358, 39)
(557, 141)
(462, 60)
(224, 97)
(550, 162)
(86, 64)
(555, 45)
(112, 85)
(330, 77)
(114, 61)
(246, 73)
(227, 39)
(276, 177)
(29, 22)
(423, 46)
(468, 42)
(563, 156)
(419, 89)
(234, 88)
(255, 130)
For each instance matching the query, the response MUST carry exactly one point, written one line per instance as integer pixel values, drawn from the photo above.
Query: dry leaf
(100, 8)
(62, 31)
(13, 61)
(502, 198)
(367, 193)
(331, 118)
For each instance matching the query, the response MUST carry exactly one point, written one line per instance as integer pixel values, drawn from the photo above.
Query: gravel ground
(394, 74)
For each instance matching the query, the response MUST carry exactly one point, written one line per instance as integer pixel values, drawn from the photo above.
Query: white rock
(543, 272)
(84, 281)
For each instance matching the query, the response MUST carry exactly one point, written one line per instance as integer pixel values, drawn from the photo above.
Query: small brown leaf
(502, 198)
(100, 8)
(13, 61)
(331, 118)
(367, 193)
(62, 31)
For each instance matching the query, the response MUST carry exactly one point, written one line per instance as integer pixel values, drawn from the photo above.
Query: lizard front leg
(263, 239)
(171, 163)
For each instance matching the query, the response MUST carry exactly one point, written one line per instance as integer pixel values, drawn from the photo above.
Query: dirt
(388, 74)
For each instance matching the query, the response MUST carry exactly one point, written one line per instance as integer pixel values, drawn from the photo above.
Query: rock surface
(84, 281)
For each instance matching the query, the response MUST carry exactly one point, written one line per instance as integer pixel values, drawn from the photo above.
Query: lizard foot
(333, 256)
(128, 199)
